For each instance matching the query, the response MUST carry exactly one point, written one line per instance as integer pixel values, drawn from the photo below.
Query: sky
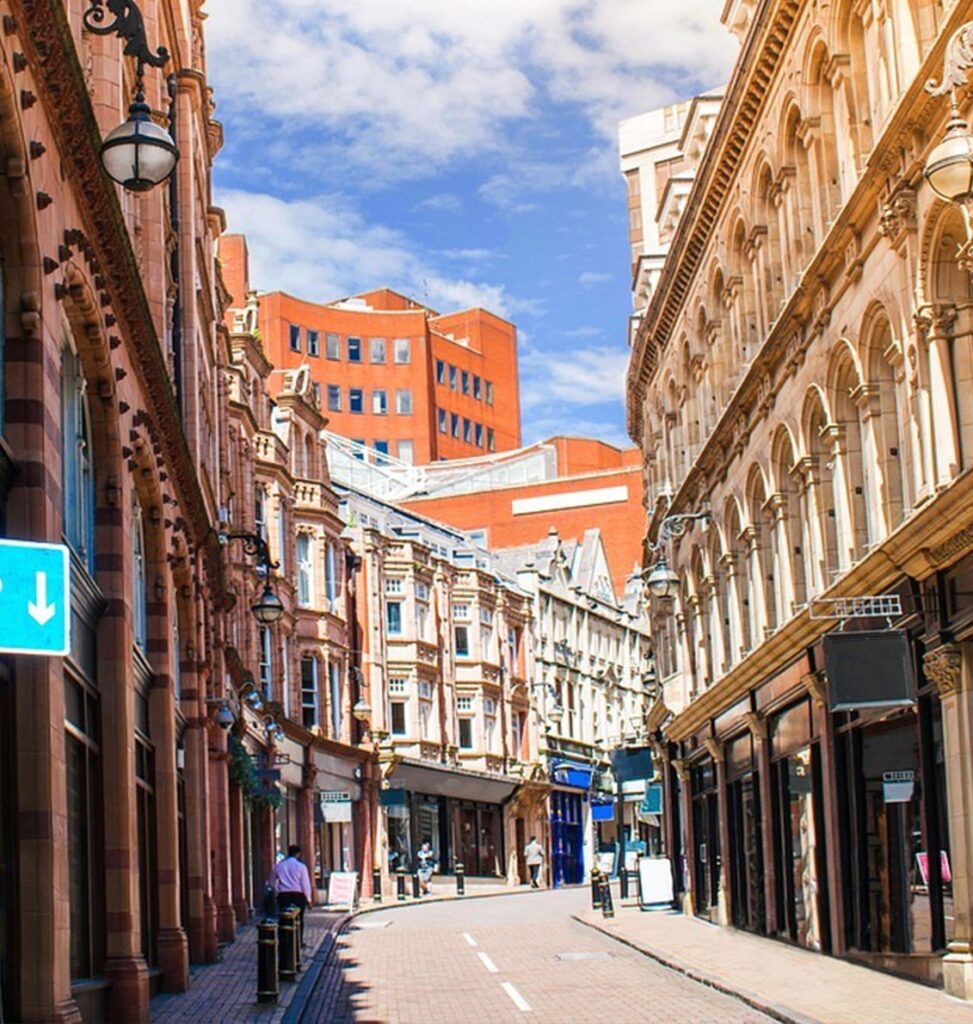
(463, 152)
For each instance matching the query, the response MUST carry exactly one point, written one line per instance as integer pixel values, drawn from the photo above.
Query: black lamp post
(139, 154)
(268, 608)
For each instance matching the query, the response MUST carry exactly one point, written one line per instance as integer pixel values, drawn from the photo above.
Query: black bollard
(607, 907)
(622, 884)
(595, 889)
(289, 955)
(460, 879)
(400, 882)
(267, 987)
(377, 885)
(416, 889)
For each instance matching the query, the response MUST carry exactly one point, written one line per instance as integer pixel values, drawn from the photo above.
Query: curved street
(509, 958)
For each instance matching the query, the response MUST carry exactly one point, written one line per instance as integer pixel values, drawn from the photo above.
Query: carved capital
(758, 725)
(714, 748)
(680, 768)
(944, 666)
(816, 687)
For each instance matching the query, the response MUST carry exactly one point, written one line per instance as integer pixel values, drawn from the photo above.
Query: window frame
(353, 347)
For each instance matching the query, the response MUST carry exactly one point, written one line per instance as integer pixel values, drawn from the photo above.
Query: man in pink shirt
(291, 880)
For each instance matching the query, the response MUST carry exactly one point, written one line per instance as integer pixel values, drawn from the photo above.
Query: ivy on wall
(244, 774)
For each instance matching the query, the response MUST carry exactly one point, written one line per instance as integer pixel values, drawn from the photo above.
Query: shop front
(338, 793)
(460, 814)
(572, 842)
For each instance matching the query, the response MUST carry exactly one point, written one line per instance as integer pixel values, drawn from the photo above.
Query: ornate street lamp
(949, 168)
(662, 582)
(362, 711)
(139, 154)
(268, 608)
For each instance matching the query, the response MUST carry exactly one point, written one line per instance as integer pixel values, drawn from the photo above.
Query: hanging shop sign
(869, 669)
(632, 763)
(897, 787)
(652, 803)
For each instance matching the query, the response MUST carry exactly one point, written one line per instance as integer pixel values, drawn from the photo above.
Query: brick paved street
(504, 959)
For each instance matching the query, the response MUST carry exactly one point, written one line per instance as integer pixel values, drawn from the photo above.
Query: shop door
(567, 839)
(468, 844)
(706, 832)
(746, 855)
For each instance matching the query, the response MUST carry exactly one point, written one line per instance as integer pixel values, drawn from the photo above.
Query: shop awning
(452, 782)
(336, 774)
(571, 773)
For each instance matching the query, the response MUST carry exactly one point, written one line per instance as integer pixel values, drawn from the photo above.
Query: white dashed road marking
(469, 938)
(488, 963)
(518, 999)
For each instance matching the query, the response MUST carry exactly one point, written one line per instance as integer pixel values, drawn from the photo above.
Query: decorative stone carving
(944, 666)
(758, 725)
(897, 216)
(816, 687)
(714, 748)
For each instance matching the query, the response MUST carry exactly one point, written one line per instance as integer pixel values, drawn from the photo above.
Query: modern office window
(264, 664)
(461, 640)
(356, 400)
(332, 345)
(491, 440)
(440, 372)
(454, 424)
(77, 470)
(488, 392)
(334, 398)
(443, 421)
(140, 606)
(360, 455)
(381, 447)
(403, 401)
(466, 734)
(467, 431)
(309, 691)
(465, 382)
(477, 390)
(376, 350)
(354, 350)
(402, 350)
(407, 451)
(452, 378)
(334, 675)
(305, 569)
(393, 617)
(313, 343)
(397, 717)
(295, 333)
(380, 402)
(479, 435)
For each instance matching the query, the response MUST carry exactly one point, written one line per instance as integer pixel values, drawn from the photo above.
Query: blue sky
(461, 151)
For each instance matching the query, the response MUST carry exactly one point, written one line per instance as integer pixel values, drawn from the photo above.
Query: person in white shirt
(534, 856)
(291, 881)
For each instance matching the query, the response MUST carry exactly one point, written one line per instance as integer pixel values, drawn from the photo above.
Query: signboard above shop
(35, 605)
(869, 669)
(632, 763)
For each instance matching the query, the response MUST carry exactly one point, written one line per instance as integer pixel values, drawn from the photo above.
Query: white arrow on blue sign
(35, 590)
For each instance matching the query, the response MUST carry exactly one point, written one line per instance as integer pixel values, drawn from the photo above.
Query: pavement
(786, 982)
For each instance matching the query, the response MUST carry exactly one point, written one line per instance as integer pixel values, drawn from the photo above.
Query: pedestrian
(291, 881)
(426, 861)
(534, 855)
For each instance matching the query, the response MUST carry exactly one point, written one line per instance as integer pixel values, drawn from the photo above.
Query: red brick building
(392, 373)
(571, 483)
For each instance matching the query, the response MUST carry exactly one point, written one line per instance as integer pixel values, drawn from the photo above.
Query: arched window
(820, 497)
(791, 546)
(305, 570)
(77, 471)
(140, 618)
(854, 474)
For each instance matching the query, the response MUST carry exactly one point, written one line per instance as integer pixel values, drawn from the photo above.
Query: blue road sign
(35, 606)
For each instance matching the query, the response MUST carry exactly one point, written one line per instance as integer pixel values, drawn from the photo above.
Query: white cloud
(585, 331)
(442, 202)
(323, 249)
(425, 83)
(590, 277)
(588, 376)
(541, 427)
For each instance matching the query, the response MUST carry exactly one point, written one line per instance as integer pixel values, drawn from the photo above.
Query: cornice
(50, 50)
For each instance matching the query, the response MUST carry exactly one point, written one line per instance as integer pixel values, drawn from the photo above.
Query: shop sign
(897, 787)
(334, 796)
(602, 810)
(922, 859)
(631, 763)
(268, 774)
(343, 888)
(392, 798)
(869, 670)
(652, 804)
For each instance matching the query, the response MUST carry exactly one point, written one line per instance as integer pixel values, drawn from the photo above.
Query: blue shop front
(572, 846)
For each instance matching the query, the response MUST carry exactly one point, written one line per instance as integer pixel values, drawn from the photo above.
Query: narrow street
(503, 959)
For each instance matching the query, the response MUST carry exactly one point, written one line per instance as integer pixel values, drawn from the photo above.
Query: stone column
(944, 420)
(724, 901)
(685, 790)
(241, 909)
(305, 815)
(951, 668)
(759, 729)
(219, 777)
(834, 435)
